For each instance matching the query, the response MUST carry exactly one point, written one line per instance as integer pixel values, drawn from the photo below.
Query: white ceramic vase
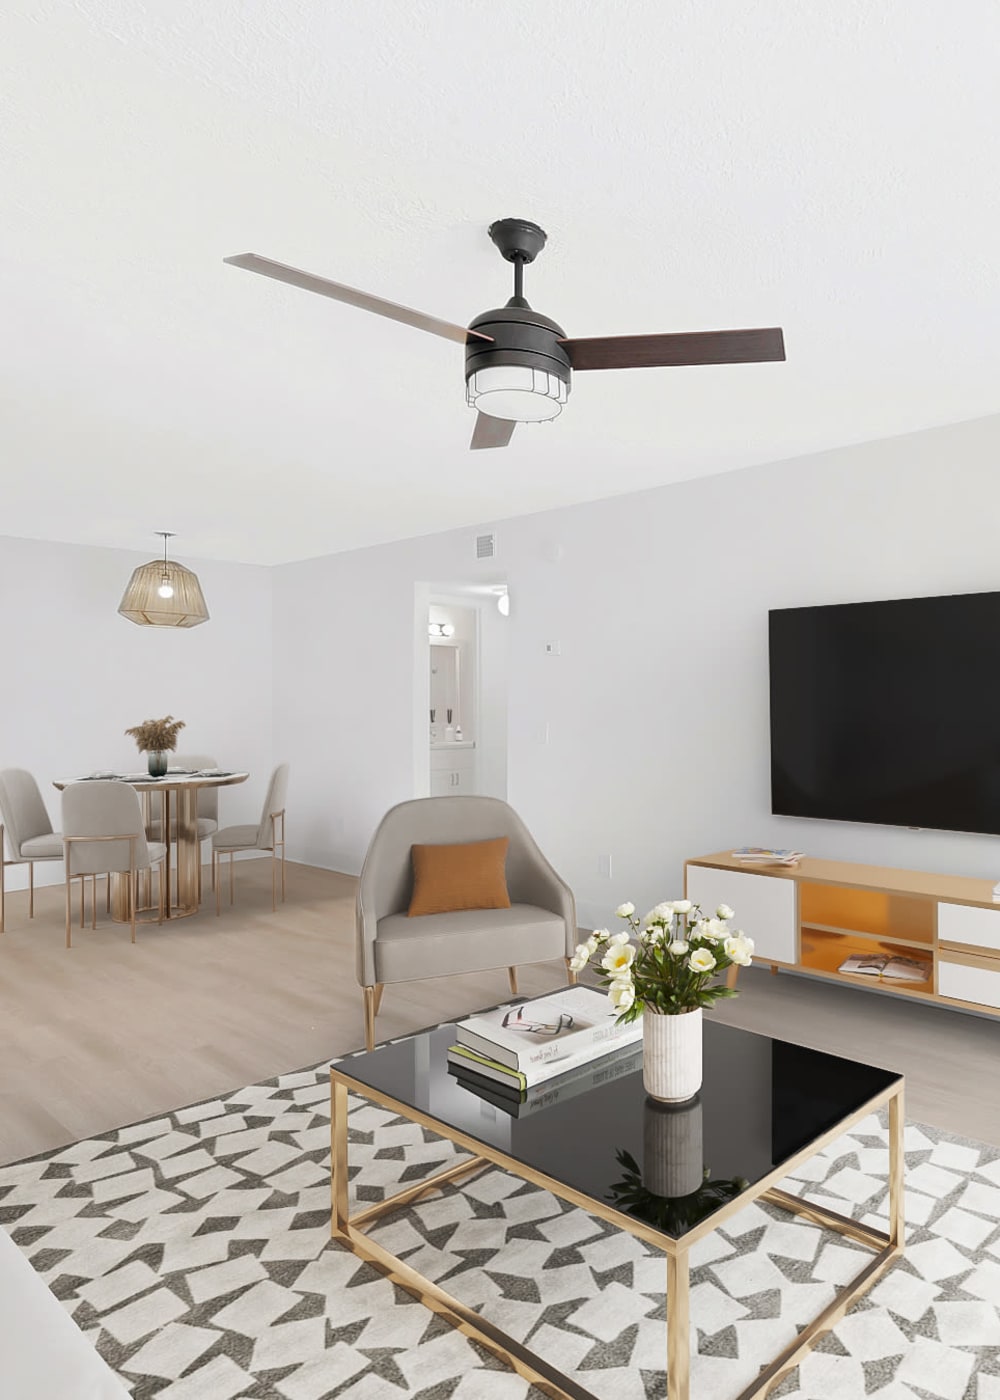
(671, 1055)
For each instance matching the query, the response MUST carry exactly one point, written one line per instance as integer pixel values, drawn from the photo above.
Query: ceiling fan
(518, 363)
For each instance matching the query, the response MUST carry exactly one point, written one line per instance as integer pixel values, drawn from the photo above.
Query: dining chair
(266, 835)
(25, 824)
(392, 946)
(103, 833)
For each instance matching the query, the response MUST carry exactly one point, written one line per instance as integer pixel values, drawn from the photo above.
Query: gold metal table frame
(350, 1231)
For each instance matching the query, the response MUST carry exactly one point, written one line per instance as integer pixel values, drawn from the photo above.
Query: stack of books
(766, 855)
(511, 1050)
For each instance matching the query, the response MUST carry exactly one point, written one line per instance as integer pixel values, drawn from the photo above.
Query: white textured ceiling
(828, 166)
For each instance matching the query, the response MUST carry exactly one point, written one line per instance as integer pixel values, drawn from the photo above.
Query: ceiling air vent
(486, 546)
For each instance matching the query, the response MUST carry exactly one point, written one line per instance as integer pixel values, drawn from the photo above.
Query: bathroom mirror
(445, 693)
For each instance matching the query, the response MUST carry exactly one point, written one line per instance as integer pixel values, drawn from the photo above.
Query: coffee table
(765, 1107)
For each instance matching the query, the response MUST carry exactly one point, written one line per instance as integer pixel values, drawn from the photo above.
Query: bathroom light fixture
(503, 601)
(163, 593)
(440, 629)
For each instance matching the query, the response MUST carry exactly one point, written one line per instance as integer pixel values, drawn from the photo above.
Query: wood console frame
(842, 907)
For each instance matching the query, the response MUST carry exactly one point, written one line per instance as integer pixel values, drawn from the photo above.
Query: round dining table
(178, 794)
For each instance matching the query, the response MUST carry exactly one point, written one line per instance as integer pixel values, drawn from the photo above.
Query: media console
(811, 916)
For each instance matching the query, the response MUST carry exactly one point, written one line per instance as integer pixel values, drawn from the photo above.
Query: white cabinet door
(442, 783)
(965, 923)
(764, 905)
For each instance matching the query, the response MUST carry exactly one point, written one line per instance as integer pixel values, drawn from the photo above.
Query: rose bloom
(682, 906)
(625, 911)
(621, 994)
(713, 930)
(724, 912)
(701, 960)
(678, 948)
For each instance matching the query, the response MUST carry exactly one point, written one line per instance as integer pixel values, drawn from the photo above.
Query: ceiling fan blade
(491, 432)
(253, 262)
(685, 348)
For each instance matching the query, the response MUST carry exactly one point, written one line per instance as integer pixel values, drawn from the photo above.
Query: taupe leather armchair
(391, 947)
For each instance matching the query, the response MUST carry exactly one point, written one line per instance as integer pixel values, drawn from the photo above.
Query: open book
(894, 967)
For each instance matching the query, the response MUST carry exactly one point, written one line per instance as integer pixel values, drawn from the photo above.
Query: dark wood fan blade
(253, 262)
(491, 432)
(685, 348)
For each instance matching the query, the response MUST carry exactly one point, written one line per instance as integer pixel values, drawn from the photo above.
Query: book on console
(766, 855)
(464, 1058)
(520, 1103)
(523, 1035)
(893, 967)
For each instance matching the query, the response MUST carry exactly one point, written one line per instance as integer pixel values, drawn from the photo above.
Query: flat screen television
(888, 712)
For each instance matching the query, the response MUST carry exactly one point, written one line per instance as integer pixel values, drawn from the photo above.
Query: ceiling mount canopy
(519, 363)
(164, 593)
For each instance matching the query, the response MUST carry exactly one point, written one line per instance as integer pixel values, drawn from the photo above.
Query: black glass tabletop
(762, 1102)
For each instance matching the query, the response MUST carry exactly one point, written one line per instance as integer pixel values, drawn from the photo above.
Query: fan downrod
(519, 240)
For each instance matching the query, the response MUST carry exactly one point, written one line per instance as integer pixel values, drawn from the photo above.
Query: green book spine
(491, 1067)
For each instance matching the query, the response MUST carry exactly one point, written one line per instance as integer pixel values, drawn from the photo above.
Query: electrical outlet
(604, 866)
(553, 648)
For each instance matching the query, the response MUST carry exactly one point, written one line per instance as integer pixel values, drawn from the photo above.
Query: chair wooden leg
(31, 889)
(282, 863)
(83, 899)
(369, 1018)
(570, 974)
(274, 881)
(107, 895)
(134, 889)
(159, 884)
(217, 882)
(2, 892)
(379, 989)
(69, 914)
(93, 901)
(232, 887)
(512, 978)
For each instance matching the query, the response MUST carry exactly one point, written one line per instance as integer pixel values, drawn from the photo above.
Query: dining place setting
(143, 830)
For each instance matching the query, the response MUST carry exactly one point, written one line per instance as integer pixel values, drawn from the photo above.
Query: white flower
(681, 906)
(678, 948)
(625, 911)
(580, 958)
(724, 912)
(652, 936)
(736, 951)
(618, 958)
(701, 929)
(621, 994)
(701, 960)
(622, 937)
(599, 935)
(591, 946)
(660, 913)
(712, 929)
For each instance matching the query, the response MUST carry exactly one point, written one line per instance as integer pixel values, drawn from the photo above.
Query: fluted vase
(671, 1055)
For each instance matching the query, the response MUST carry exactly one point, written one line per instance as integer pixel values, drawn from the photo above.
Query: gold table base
(184, 856)
(349, 1230)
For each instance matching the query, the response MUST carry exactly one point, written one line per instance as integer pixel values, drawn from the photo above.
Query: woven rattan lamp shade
(142, 604)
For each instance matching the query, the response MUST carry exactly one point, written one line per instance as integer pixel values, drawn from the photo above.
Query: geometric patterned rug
(194, 1251)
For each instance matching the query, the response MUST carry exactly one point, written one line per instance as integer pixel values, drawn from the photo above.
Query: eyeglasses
(515, 1020)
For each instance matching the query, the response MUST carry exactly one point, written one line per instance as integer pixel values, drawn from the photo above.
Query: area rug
(194, 1251)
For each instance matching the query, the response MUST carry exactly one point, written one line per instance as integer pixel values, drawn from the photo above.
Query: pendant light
(163, 593)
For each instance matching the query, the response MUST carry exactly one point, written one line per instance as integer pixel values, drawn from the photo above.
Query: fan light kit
(519, 363)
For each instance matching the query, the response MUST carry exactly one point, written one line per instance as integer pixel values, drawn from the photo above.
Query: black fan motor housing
(521, 336)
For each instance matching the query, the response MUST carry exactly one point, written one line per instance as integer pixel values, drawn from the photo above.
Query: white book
(566, 1085)
(525, 1034)
(469, 1061)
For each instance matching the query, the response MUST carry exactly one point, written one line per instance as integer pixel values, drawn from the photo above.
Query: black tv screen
(888, 712)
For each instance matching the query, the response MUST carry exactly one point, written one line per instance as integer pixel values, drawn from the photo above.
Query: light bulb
(166, 588)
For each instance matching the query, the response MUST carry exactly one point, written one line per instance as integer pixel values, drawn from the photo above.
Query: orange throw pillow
(468, 876)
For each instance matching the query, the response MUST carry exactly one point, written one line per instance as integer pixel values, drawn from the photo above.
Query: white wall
(74, 675)
(657, 704)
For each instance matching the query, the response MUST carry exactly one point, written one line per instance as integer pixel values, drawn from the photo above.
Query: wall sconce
(440, 629)
(503, 602)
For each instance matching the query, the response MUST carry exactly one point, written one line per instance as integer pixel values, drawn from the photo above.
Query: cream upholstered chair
(103, 833)
(391, 947)
(25, 824)
(266, 835)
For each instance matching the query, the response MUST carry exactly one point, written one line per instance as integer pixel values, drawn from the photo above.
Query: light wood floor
(106, 1033)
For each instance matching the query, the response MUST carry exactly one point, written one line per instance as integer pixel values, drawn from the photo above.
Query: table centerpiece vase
(662, 968)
